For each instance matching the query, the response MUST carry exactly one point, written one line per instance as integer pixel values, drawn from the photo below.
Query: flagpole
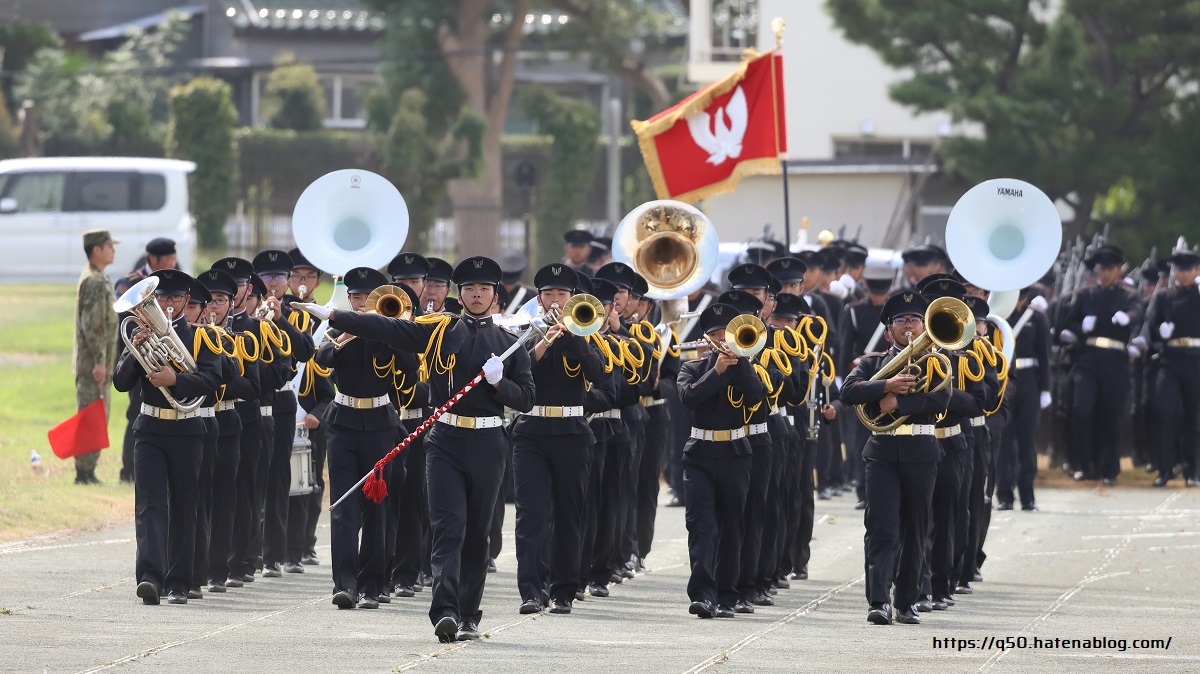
(777, 26)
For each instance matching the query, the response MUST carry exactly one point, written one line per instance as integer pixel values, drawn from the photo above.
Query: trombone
(949, 324)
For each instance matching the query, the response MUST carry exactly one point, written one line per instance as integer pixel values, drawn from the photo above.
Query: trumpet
(949, 324)
(264, 312)
(745, 336)
(162, 347)
(387, 300)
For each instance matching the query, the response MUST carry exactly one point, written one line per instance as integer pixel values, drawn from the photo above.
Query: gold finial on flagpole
(777, 26)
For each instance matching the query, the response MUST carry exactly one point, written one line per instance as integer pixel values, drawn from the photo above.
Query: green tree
(294, 97)
(1069, 97)
(18, 43)
(201, 129)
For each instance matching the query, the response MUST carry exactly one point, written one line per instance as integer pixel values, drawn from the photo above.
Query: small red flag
(711, 139)
(83, 433)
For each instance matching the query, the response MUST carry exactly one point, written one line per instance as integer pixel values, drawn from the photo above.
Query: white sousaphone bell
(1003, 235)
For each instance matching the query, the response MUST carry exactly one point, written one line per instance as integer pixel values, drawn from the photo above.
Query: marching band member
(1176, 329)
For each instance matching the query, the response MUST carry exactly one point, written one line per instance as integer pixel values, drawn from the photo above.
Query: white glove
(1044, 400)
(1166, 329)
(320, 311)
(1067, 337)
(1089, 324)
(1139, 342)
(839, 290)
(1120, 318)
(1039, 304)
(1133, 351)
(848, 282)
(838, 382)
(493, 369)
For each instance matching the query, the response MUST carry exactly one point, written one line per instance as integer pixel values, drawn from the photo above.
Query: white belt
(947, 432)
(411, 413)
(264, 410)
(1184, 343)
(909, 429)
(172, 414)
(470, 422)
(718, 436)
(286, 389)
(1025, 363)
(611, 414)
(756, 429)
(226, 405)
(651, 401)
(979, 421)
(555, 412)
(360, 403)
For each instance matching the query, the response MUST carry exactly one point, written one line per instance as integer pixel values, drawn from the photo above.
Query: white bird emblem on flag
(722, 140)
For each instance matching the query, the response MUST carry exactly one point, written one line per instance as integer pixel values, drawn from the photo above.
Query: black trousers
(801, 548)
(681, 427)
(225, 496)
(658, 438)
(131, 413)
(597, 455)
(552, 477)
(895, 537)
(261, 479)
(1016, 462)
(716, 502)
(611, 513)
(773, 515)
(979, 507)
(279, 478)
(204, 503)
(166, 472)
(627, 538)
(411, 547)
(496, 532)
(754, 515)
(946, 515)
(1176, 403)
(360, 567)
(242, 554)
(464, 469)
(317, 499)
(1100, 384)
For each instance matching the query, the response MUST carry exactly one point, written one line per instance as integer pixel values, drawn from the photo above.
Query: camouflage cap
(98, 237)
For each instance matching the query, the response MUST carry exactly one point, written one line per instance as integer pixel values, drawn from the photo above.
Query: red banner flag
(727, 130)
(81, 434)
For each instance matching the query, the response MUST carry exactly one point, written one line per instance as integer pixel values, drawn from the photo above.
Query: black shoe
(310, 559)
(597, 590)
(1161, 481)
(176, 597)
(234, 581)
(908, 617)
(964, 588)
(404, 591)
(1029, 507)
(491, 566)
(783, 584)
(616, 578)
(423, 580)
(343, 599)
(216, 586)
(367, 601)
(272, 571)
(148, 592)
(802, 574)
(627, 571)
(763, 600)
(939, 604)
(950, 601)
(293, 567)
(581, 595)
(640, 566)
(1193, 482)
(248, 578)
(468, 632)
(825, 494)
(1109, 482)
(1005, 505)
(384, 598)
(861, 505)
(531, 606)
(703, 609)
(446, 629)
(195, 593)
(723, 612)
(924, 606)
(560, 607)
(772, 591)
(743, 606)
(977, 578)
(1079, 476)
(880, 615)
(675, 503)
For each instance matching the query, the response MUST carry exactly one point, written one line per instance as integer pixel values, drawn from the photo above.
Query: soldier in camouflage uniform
(95, 351)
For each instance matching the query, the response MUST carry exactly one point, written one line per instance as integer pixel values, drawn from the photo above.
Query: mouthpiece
(303, 291)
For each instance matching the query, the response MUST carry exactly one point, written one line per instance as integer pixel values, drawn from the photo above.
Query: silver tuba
(163, 347)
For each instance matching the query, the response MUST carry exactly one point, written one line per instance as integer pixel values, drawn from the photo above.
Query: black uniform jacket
(362, 368)
(560, 377)
(199, 384)
(707, 394)
(921, 408)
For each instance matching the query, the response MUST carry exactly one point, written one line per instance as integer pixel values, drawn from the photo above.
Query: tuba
(949, 324)
(163, 347)
(1002, 235)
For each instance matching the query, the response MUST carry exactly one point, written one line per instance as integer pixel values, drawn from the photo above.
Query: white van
(46, 204)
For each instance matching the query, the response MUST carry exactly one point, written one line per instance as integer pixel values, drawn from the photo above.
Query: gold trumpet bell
(746, 335)
(583, 315)
(390, 301)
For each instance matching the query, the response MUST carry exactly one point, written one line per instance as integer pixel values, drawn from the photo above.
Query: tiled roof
(340, 15)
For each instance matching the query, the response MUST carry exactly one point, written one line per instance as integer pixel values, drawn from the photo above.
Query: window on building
(344, 105)
(734, 28)
(857, 148)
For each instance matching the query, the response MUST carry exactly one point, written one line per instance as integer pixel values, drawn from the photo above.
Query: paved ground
(1108, 564)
